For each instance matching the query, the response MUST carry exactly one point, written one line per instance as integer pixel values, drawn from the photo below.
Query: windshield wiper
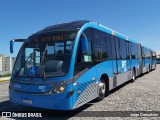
(42, 62)
(30, 56)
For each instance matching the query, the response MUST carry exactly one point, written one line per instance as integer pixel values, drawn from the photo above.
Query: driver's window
(83, 60)
(88, 56)
(84, 57)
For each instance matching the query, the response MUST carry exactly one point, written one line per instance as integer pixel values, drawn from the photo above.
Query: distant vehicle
(153, 59)
(158, 60)
(158, 57)
(65, 66)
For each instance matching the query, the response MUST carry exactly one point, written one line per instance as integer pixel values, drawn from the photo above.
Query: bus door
(114, 61)
(140, 59)
(128, 55)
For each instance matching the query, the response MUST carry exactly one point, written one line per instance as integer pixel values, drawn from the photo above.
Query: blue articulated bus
(65, 66)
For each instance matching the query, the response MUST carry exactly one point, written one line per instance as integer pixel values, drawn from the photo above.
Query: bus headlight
(61, 89)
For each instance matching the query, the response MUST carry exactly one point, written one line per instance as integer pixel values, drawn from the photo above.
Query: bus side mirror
(11, 46)
(84, 45)
(12, 43)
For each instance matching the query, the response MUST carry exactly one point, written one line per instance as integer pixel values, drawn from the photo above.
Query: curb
(4, 79)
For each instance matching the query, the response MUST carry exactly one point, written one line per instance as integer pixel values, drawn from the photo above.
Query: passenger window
(99, 46)
(113, 48)
(88, 56)
(117, 42)
(123, 49)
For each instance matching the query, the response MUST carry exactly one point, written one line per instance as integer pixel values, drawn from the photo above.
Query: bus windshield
(45, 56)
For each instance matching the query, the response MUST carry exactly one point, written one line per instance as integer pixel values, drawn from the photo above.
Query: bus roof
(76, 25)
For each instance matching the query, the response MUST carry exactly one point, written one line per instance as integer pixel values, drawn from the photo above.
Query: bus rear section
(153, 60)
(148, 61)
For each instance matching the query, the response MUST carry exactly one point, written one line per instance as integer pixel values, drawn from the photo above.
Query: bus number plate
(27, 101)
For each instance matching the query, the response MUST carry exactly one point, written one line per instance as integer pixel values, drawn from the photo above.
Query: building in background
(2, 59)
(1, 63)
(13, 61)
(158, 54)
(6, 63)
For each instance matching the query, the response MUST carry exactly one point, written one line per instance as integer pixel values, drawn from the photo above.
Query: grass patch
(5, 75)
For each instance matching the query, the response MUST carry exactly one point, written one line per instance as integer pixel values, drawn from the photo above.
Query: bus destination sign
(51, 38)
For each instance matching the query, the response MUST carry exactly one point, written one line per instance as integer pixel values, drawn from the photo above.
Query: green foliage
(5, 75)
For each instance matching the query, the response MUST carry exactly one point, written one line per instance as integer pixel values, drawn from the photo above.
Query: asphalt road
(141, 95)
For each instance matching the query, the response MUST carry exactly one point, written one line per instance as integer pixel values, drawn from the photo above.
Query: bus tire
(133, 75)
(155, 66)
(148, 69)
(102, 89)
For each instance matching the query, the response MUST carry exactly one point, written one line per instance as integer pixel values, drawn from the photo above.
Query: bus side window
(123, 51)
(109, 47)
(117, 46)
(100, 50)
(78, 54)
(87, 57)
(132, 51)
(113, 48)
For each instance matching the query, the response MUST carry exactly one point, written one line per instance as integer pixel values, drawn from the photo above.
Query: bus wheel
(155, 66)
(148, 69)
(102, 89)
(133, 75)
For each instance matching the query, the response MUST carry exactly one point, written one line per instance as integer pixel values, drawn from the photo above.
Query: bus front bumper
(52, 101)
